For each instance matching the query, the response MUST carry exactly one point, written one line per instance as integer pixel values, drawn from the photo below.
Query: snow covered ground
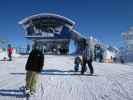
(59, 82)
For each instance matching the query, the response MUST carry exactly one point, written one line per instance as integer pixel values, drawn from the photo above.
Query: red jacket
(10, 50)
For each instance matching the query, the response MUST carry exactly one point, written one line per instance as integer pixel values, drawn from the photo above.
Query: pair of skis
(27, 96)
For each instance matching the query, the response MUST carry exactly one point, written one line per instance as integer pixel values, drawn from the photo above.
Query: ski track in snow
(58, 81)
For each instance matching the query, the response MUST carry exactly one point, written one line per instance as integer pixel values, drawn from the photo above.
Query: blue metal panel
(64, 34)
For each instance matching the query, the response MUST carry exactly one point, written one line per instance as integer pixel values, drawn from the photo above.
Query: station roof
(47, 19)
(47, 16)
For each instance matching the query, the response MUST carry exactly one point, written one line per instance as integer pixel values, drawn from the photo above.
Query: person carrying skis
(33, 67)
(87, 58)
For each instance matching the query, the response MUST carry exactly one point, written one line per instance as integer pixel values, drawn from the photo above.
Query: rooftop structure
(53, 31)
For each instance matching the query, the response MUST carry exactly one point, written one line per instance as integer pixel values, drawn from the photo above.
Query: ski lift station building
(53, 31)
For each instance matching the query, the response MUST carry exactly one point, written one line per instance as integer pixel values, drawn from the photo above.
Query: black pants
(84, 68)
(10, 57)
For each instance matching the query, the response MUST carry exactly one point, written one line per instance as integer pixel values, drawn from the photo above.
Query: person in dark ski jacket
(33, 67)
(87, 57)
(77, 63)
(98, 53)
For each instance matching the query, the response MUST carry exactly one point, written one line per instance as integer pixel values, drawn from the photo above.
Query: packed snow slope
(58, 81)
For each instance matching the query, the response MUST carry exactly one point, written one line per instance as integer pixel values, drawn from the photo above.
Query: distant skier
(87, 58)
(98, 52)
(33, 67)
(77, 63)
(28, 49)
(122, 59)
(9, 51)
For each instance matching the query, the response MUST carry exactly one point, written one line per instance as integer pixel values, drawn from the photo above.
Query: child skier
(77, 63)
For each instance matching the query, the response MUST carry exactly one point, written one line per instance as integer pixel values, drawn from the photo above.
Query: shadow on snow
(12, 93)
(58, 73)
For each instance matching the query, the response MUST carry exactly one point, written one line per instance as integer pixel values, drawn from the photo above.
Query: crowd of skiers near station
(35, 63)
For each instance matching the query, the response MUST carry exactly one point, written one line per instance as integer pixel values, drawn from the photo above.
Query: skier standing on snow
(87, 58)
(9, 51)
(98, 53)
(33, 67)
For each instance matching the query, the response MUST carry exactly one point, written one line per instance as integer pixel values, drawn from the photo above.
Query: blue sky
(103, 19)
